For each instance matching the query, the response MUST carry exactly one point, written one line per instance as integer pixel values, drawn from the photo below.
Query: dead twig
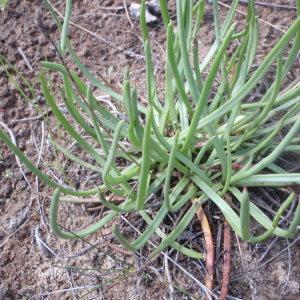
(227, 262)
(36, 118)
(25, 59)
(13, 139)
(95, 208)
(218, 251)
(91, 200)
(276, 6)
(210, 252)
(111, 8)
(261, 20)
(127, 14)
(268, 249)
(169, 278)
(18, 228)
(39, 152)
(44, 248)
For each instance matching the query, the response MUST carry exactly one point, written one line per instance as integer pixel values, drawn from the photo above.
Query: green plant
(219, 144)
(3, 4)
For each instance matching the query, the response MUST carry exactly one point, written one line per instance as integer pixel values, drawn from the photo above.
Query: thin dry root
(227, 262)
(210, 251)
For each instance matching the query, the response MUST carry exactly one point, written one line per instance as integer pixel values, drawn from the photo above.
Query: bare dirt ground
(80, 269)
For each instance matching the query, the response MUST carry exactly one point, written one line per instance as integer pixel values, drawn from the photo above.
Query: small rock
(154, 7)
(134, 10)
(40, 99)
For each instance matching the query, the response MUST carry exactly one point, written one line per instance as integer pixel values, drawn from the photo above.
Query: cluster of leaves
(203, 141)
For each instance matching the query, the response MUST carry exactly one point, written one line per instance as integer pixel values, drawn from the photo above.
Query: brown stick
(210, 251)
(227, 262)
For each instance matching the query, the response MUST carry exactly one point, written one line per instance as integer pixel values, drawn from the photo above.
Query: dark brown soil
(28, 270)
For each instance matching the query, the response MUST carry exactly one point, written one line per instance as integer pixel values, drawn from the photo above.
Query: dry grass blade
(210, 251)
(13, 139)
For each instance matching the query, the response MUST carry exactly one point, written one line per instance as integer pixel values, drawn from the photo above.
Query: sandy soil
(31, 270)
